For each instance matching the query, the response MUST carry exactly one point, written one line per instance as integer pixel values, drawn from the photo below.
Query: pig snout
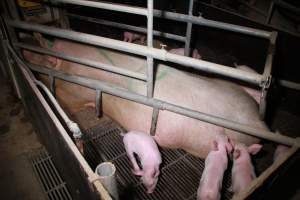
(145, 147)
(150, 181)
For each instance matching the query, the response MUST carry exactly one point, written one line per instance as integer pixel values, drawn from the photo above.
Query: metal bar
(270, 13)
(171, 16)
(256, 183)
(150, 83)
(141, 50)
(99, 111)
(211, 23)
(267, 76)
(94, 64)
(289, 84)
(52, 85)
(106, 5)
(129, 27)
(155, 114)
(162, 105)
(188, 34)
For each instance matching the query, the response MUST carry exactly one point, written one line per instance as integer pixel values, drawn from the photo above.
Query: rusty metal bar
(99, 111)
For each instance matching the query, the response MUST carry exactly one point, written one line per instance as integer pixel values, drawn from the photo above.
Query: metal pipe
(154, 119)
(52, 85)
(108, 6)
(150, 83)
(188, 33)
(172, 16)
(141, 50)
(94, 64)
(128, 27)
(162, 105)
(99, 110)
(74, 128)
(289, 84)
(107, 176)
(211, 23)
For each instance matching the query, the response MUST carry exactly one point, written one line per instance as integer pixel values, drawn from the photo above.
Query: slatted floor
(53, 185)
(180, 172)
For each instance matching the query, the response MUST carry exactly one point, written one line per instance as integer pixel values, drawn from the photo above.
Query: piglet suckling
(145, 147)
(242, 170)
(215, 165)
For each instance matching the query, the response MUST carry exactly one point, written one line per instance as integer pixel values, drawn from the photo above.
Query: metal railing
(152, 53)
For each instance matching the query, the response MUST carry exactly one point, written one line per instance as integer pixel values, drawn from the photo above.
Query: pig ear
(236, 154)
(254, 148)
(214, 145)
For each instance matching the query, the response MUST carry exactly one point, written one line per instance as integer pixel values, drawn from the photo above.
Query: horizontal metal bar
(162, 105)
(211, 23)
(172, 16)
(83, 61)
(128, 27)
(141, 50)
(106, 6)
(289, 84)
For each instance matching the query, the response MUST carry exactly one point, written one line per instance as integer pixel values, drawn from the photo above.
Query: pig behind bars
(145, 147)
(215, 165)
(131, 37)
(213, 96)
(242, 170)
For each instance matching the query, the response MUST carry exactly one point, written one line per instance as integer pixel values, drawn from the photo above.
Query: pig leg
(136, 169)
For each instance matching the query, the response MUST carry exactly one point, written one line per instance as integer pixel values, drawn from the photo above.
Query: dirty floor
(17, 140)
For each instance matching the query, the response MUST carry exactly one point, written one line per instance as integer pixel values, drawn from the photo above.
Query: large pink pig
(213, 96)
(145, 147)
(242, 170)
(215, 165)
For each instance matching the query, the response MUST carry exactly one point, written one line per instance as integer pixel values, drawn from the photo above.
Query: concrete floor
(17, 140)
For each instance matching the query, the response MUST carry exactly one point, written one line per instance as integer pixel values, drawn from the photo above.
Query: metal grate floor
(180, 171)
(53, 185)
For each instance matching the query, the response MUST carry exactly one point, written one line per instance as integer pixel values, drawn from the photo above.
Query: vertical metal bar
(188, 34)
(154, 121)
(270, 13)
(150, 78)
(99, 103)
(267, 76)
(52, 85)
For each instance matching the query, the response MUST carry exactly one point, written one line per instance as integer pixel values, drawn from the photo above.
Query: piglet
(215, 166)
(145, 147)
(131, 37)
(242, 170)
(180, 51)
(280, 151)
